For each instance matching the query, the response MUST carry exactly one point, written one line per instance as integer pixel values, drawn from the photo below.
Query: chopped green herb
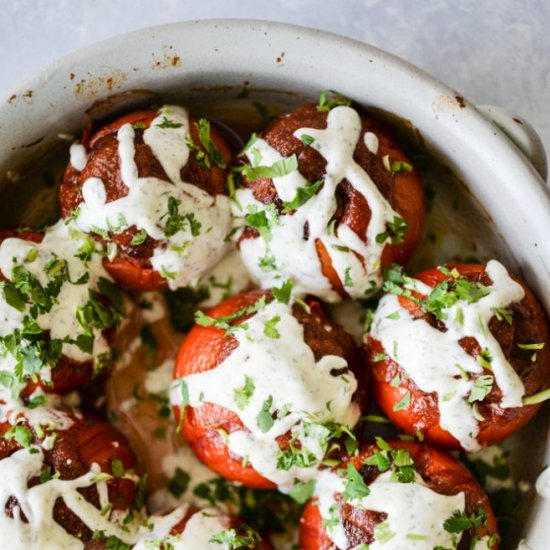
(242, 395)
(482, 387)
(179, 482)
(139, 238)
(270, 329)
(395, 166)
(21, 434)
(212, 151)
(536, 346)
(355, 486)
(224, 321)
(460, 521)
(176, 222)
(117, 468)
(283, 293)
(329, 100)
(167, 123)
(278, 169)
(395, 231)
(303, 194)
(302, 492)
(232, 540)
(264, 418)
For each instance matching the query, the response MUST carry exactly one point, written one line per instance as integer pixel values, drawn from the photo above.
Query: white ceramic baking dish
(210, 60)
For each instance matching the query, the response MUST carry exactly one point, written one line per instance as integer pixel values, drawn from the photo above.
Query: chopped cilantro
(179, 482)
(139, 237)
(403, 403)
(212, 151)
(270, 329)
(482, 387)
(395, 231)
(264, 417)
(303, 194)
(302, 492)
(167, 123)
(242, 395)
(328, 100)
(176, 222)
(355, 486)
(278, 169)
(460, 521)
(283, 293)
(117, 468)
(232, 539)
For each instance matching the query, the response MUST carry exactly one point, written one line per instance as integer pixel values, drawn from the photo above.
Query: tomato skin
(442, 473)
(87, 441)
(204, 348)
(132, 265)
(135, 274)
(404, 190)
(529, 322)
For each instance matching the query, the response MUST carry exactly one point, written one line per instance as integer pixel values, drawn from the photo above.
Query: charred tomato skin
(403, 190)
(204, 348)
(131, 266)
(441, 472)
(86, 442)
(529, 324)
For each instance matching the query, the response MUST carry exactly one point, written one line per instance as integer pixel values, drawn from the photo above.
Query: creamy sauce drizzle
(284, 372)
(360, 277)
(198, 531)
(543, 484)
(181, 257)
(416, 513)
(430, 357)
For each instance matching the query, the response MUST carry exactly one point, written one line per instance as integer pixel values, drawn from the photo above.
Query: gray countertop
(493, 51)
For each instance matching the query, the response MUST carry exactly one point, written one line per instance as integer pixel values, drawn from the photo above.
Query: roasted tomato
(409, 463)
(394, 184)
(520, 331)
(32, 347)
(207, 426)
(131, 266)
(74, 454)
(203, 528)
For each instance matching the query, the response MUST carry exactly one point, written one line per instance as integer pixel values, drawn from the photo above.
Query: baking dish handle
(521, 133)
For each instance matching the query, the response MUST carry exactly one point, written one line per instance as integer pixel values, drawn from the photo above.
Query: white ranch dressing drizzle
(198, 531)
(285, 370)
(60, 241)
(226, 278)
(183, 256)
(523, 545)
(542, 484)
(414, 511)
(37, 504)
(295, 257)
(78, 156)
(429, 356)
(371, 142)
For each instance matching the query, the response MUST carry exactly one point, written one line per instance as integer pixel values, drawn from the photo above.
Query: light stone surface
(493, 51)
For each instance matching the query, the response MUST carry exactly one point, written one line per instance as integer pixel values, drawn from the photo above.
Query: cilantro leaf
(303, 194)
(242, 395)
(264, 418)
(355, 486)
